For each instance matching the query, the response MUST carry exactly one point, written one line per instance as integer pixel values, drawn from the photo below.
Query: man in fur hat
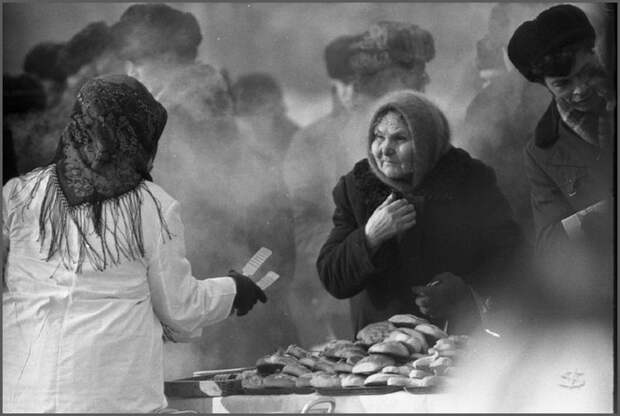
(569, 161)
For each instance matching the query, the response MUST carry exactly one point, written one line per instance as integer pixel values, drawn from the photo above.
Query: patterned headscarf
(106, 148)
(100, 167)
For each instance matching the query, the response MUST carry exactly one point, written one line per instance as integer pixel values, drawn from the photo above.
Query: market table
(398, 402)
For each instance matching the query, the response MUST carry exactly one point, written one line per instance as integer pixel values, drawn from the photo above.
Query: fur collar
(442, 183)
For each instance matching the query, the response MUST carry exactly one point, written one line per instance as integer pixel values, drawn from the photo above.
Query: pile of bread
(404, 351)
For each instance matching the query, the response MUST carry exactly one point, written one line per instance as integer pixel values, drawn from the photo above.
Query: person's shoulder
(319, 129)
(356, 175)
(469, 168)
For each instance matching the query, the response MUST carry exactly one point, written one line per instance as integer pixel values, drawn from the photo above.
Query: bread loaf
(406, 320)
(431, 330)
(372, 364)
(417, 373)
(279, 380)
(377, 379)
(324, 380)
(392, 348)
(343, 367)
(297, 351)
(295, 369)
(304, 380)
(402, 370)
(352, 380)
(375, 332)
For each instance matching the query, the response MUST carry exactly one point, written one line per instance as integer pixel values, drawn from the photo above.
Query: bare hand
(390, 218)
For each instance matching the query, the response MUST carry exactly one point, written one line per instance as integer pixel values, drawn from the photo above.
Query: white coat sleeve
(180, 301)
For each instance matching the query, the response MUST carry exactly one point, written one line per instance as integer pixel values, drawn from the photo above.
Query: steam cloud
(286, 40)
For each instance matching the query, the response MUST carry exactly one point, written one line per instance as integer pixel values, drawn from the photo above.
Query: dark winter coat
(464, 226)
(568, 174)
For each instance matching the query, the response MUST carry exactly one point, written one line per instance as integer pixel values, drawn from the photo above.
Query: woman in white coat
(96, 266)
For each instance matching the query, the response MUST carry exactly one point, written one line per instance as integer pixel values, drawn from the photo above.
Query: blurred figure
(201, 161)
(200, 144)
(43, 62)
(491, 49)
(266, 133)
(90, 53)
(21, 95)
(500, 118)
(260, 109)
(389, 56)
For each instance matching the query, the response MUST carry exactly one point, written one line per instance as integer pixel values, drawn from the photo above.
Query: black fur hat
(149, 30)
(85, 46)
(43, 60)
(551, 31)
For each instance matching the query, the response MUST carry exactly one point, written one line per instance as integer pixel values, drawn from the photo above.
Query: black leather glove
(247, 293)
(446, 295)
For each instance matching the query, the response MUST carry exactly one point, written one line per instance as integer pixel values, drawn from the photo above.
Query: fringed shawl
(97, 182)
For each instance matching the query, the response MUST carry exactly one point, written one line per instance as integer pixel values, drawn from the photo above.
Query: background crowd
(265, 114)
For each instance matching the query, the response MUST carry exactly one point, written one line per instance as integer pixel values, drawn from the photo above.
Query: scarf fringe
(108, 232)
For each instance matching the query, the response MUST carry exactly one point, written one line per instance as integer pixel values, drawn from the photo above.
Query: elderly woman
(96, 264)
(419, 227)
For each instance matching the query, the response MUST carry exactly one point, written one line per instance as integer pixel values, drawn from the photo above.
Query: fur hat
(149, 30)
(388, 43)
(43, 60)
(255, 91)
(85, 46)
(337, 55)
(551, 31)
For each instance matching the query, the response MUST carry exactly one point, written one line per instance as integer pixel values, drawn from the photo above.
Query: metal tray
(358, 391)
(267, 391)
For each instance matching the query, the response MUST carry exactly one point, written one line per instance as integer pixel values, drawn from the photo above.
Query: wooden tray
(357, 391)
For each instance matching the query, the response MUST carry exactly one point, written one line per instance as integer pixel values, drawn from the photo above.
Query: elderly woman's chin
(394, 171)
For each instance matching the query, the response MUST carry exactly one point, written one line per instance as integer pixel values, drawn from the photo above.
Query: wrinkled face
(392, 147)
(578, 89)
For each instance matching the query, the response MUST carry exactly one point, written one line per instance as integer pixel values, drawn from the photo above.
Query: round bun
(324, 380)
(407, 320)
(372, 364)
(375, 332)
(283, 381)
(377, 379)
(392, 348)
(352, 380)
(431, 330)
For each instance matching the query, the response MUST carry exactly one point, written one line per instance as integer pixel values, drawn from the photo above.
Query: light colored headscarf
(428, 127)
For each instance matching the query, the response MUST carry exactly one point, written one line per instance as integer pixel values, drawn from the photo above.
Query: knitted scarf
(427, 127)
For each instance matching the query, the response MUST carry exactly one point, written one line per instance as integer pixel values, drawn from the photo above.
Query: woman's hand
(446, 294)
(390, 218)
(248, 293)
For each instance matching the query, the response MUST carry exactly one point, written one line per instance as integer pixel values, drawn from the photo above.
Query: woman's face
(392, 146)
